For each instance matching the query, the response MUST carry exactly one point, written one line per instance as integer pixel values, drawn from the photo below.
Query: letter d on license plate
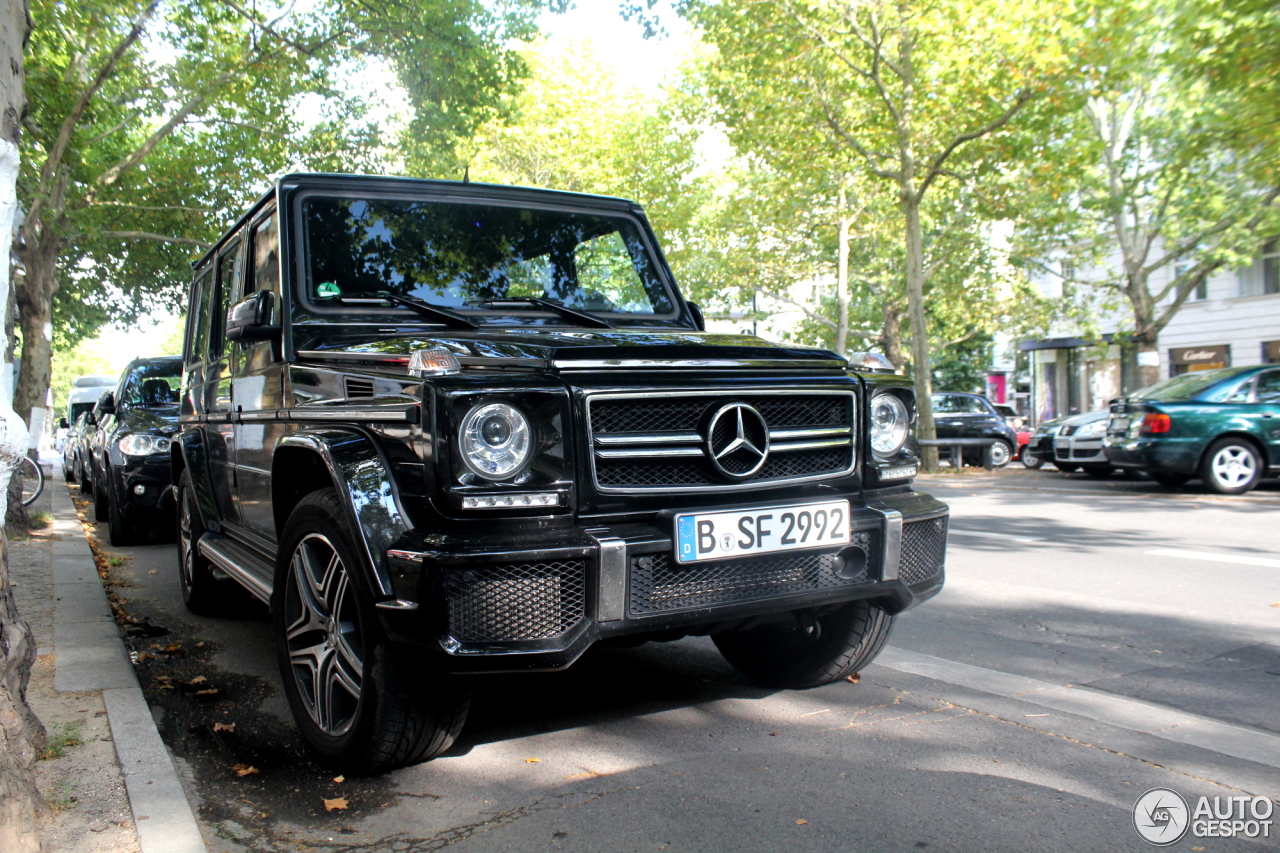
(763, 530)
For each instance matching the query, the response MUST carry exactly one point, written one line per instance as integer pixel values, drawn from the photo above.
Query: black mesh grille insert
(698, 472)
(529, 601)
(924, 550)
(660, 584)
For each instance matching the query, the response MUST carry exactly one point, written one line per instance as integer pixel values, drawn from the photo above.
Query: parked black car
(71, 447)
(446, 429)
(130, 450)
(958, 415)
(81, 450)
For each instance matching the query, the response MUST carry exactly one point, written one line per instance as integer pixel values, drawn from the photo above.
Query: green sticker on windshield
(328, 288)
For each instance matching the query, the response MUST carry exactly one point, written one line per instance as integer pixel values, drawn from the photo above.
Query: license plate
(763, 530)
(1118, 426)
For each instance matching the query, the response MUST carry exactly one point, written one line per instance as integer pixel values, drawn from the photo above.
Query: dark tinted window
(228, 275)
(201, 301)
(1186, 386)
(457, 255)
(152, 385)
(1268, 388)
(953, 404)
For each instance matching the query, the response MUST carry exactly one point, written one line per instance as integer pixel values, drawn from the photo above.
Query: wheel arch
(186, 453)
(351, 462)
(1249, 437)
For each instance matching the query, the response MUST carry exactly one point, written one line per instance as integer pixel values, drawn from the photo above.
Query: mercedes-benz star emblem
(737, 441)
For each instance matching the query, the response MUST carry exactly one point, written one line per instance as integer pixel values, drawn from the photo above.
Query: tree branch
(160, 208)
(935, 168)
(147, 235)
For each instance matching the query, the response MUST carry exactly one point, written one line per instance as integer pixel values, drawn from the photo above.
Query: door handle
(1268, 414)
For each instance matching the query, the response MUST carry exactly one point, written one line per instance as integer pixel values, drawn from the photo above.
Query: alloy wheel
(186, 548)
(1000, 454)
(1233, 466)
(326, 652)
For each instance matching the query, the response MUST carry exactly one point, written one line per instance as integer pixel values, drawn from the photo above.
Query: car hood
(604, 349)
(161, 419)
(1086, 418)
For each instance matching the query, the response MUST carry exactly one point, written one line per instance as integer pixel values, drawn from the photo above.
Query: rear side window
(266, 256)
(228, 275)
(1268, 388)
(198, 317)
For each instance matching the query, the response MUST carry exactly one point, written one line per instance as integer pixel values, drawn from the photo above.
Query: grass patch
(116, 562)
(62, 737)
(62, 797)
(39, 520)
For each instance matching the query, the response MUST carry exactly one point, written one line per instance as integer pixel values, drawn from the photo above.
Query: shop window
(1263, 275)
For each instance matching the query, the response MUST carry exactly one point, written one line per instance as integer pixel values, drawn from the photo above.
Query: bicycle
(32, 480)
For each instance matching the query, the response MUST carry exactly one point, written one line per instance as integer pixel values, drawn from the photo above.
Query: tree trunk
(891, 337)
(35, 311)
(1148, 352)
(922, 365)
(842, 276)
(21, 736)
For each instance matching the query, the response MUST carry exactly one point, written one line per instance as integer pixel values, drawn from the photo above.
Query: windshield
(78, 409)
(152, 385)
(1186, 386)
(460, 255)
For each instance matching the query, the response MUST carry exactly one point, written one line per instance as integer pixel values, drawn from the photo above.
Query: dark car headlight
(496, 440)
(890, 424)
(139, 444)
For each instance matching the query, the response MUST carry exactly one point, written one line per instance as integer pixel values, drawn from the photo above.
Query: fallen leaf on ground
(212, 691)
(172, 648)
(856, 678)
(144, 657)
(801, 821)
(339, 779)
(152, 572)
(224, 727)
(244, 770)
(339, 803)
(533, 761)
(199, 679)
(773, 734)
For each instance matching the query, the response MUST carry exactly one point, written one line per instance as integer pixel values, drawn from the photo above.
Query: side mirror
(106, 405)
(250, 319)
(62, 424)
(698, 319)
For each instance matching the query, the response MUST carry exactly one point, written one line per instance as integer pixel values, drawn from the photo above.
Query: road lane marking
(1160, 721)
(989, 535)
(1216, 558)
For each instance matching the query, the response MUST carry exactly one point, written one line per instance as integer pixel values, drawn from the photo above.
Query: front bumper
(1082, 451)
(538, 600)
(142, 487)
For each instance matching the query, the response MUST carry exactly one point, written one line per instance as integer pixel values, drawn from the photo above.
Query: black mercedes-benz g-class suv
(445, 429)
(129, 450)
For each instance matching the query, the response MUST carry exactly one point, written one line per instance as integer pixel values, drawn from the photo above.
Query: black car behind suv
(446, 429)
(129, 452)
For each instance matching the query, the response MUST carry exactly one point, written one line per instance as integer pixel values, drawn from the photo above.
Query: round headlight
(889, 424)
(138, 444)
(496, 440)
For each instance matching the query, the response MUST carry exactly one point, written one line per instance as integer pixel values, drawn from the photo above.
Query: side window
(198, 317)
(266, 256)
(228, 275)
(1268, 387)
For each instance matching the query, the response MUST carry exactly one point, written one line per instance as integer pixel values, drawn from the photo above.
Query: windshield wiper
(426, 309)
(555, 308)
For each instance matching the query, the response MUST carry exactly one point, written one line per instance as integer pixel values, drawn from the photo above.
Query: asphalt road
(1095, 640)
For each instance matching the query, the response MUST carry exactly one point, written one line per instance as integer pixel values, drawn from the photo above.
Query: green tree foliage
(923, 99)
(1145, 188)
(152, 123)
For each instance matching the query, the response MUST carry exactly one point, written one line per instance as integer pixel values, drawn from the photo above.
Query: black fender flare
(363, 480)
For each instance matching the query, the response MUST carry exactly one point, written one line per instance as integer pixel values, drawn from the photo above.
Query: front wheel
(101, 501)
(1231, 466)
(357, 700)
(201, 592)
(808, 650)
(1001, 453)
(1030, 460)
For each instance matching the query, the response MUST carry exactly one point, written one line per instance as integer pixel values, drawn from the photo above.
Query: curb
(89, 654)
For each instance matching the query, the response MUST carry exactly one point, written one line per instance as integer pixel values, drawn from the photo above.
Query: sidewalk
(108, 776)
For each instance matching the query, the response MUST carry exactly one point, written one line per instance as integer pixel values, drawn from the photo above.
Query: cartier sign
(1201, 355)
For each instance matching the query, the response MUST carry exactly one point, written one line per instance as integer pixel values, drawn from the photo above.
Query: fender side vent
(358, 387)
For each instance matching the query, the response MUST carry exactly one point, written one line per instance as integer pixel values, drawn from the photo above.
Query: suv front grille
(659, 584)
(645, 442)
(509, 603)
(924, 548)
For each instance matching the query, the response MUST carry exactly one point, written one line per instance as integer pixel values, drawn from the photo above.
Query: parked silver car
(1078, 444)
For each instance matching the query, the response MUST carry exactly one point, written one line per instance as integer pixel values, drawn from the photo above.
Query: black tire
(383, 710)
(119, 532)
(800, 653)
(85, 476)
(1030, 460)
(1167, 479)
(202, 593)
(1099, 472)
(101, 501)
(1231, 466)
(68, 470)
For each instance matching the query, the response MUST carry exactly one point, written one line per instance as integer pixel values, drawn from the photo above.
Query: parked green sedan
(1222, 426)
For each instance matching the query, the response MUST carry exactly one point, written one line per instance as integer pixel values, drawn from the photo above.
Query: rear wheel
(85, 476)
(356, 698)
(808, 651)
(101, 501)
(1030, 460)
(1167, 479)
(1001, 453)
(1231, 466)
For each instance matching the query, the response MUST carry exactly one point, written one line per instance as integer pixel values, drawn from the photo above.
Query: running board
(236, 560)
